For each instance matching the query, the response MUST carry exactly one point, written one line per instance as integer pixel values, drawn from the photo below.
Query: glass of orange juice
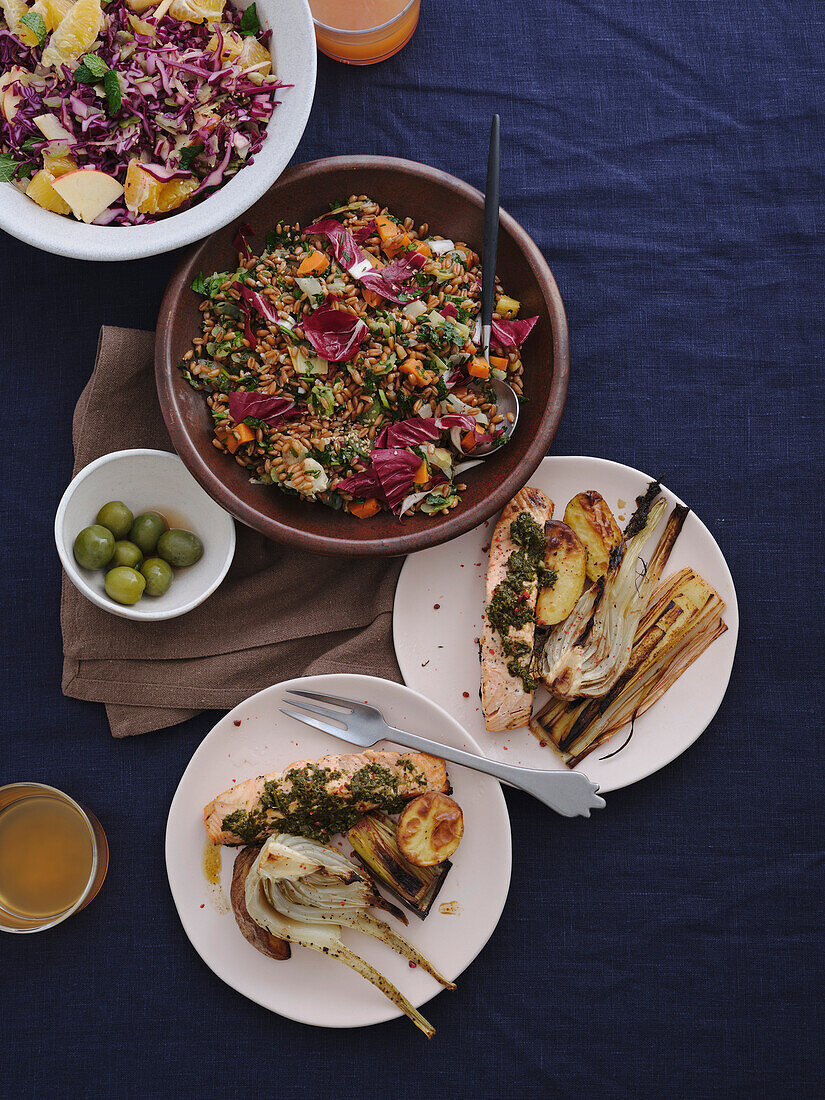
(361, 32)
(53, 857)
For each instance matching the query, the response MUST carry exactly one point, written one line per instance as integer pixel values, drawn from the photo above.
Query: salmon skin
(505, 702)
(414, 772)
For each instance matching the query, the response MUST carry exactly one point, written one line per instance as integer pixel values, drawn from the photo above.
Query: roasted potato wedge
(430, 829)
(567, 557)
(589, 515)
(265, 941)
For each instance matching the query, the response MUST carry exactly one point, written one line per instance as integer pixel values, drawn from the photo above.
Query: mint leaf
(26, 170)
(111, 86)
(8, 167)
(36, 25)
(188, 155)
(96, 66)
(82, 75)
(250, 24)
(31, 143)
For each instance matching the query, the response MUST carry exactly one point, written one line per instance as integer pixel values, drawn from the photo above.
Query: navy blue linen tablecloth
(667, 155)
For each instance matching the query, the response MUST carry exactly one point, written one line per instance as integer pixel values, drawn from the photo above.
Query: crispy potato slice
(589, 515)
(567, 557)
(430, 829)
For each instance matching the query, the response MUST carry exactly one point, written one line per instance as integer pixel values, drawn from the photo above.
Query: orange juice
(363, 31)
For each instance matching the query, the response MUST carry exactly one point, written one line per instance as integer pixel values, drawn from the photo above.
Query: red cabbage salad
(341, 363)
(120, 113)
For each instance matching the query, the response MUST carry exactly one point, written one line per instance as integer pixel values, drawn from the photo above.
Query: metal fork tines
(569, 793)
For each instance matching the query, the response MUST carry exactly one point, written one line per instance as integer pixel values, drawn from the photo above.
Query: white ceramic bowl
(147, 481)
(294, 54)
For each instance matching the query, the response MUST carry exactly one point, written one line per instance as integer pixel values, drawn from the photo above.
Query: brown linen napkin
(279, 613)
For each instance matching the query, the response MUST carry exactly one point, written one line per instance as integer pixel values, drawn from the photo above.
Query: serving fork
(570, 794)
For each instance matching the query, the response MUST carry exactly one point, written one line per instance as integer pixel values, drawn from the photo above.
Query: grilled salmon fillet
(414, 772)
(505, 702)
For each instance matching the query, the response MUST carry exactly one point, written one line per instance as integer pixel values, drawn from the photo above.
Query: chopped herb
(210, 285)
(8, 167)
(36, 25)
(114, 96)
(188, 155)
(250, 23)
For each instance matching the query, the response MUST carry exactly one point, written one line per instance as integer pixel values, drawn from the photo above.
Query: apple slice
(88, 192)
(52, 128)
(10, 100)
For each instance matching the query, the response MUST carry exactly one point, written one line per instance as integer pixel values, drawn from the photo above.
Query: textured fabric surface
(279, 613)
(668, 158)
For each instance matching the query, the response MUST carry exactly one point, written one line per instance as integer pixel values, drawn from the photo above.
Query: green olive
(158, 574)
(126, 553)
(116, 517)
(93, 547)
(124, 585)
(146, 530)
(180, 547)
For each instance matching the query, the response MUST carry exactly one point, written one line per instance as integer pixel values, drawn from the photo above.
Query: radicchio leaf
(395, 469)
(336, 334)
(266, 308)
(363, 484)
(242, 234)
(273, 410)
(350, 255)
(449, 311)
(411, 433)
(510, 334)
(365, 232)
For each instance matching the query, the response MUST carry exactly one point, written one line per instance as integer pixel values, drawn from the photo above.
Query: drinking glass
(361, 32)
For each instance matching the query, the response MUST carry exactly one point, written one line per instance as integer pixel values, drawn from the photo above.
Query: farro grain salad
(121, 111)
(341, 365)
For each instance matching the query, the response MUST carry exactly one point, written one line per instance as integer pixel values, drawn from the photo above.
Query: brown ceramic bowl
(453, 209)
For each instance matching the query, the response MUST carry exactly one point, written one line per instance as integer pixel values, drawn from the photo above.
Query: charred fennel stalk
(586, 654)
(684, 617)
(375, 844)
(304, 892)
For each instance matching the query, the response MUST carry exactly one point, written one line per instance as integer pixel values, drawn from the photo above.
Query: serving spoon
(507, 402)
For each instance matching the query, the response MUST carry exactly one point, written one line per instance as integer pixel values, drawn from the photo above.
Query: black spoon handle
(488, 259)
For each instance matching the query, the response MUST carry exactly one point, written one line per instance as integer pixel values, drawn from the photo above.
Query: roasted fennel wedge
(304, 892)
(683, 618)
(585, 655)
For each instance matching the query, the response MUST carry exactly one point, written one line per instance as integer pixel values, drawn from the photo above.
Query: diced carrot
(499, 363)
(387, 228)
(400, 243)
(419, 378)
(423, 248)
(240, 434)
(478, 368)
(422, 474)
(314, 263)
(468, 441)
(365, 509)
(372, 297)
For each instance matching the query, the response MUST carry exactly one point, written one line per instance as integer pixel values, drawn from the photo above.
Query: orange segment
(74, 36)
(196, 11)
(255, 57)
(58, 165)
(232, 42)
(40, 190)
(146, 195)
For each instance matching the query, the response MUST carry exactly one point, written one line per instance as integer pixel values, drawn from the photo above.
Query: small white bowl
(147, 481)
(294, 56)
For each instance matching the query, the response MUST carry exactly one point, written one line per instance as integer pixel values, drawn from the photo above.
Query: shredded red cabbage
(184, 112)
(336, 334)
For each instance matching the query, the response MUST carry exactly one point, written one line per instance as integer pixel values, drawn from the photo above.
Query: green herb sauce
(512, 604)
(300, 802)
